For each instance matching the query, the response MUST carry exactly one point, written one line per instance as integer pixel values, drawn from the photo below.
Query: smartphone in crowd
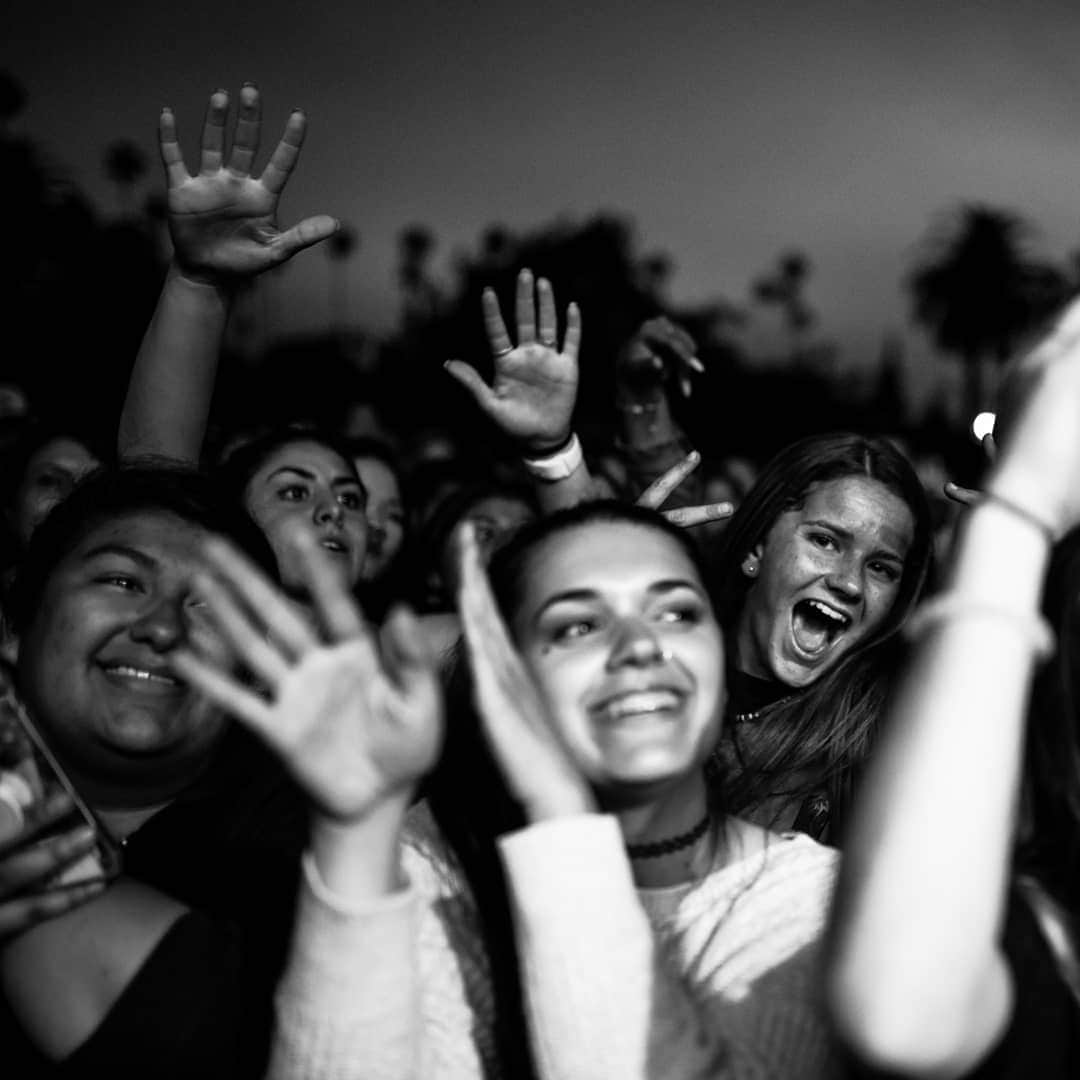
(31, 780)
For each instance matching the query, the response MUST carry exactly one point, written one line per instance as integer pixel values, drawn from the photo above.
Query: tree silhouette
(785, 288)
(978, 290)
(339, 249)
(125, 165)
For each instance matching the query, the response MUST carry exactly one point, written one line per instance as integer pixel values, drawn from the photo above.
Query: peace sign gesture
(223, 221)
(357, 725)
(532, 396)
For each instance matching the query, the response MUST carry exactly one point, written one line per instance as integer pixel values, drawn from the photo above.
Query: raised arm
(531, 399)
(223, 223)
(659, 355)
(373, 987)
(918, 983)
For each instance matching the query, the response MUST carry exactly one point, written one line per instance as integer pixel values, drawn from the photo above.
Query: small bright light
(983, 425)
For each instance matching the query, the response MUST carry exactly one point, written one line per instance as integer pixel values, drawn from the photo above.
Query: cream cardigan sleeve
(601, 1002)
(392, 990)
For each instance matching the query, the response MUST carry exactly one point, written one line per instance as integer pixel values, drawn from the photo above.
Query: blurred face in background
(51, 472)
(385, 514)
(495, 518)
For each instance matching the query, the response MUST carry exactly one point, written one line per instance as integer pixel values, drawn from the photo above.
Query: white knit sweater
(721, 985)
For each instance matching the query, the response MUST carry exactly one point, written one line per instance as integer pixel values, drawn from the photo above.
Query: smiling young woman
(815, 572)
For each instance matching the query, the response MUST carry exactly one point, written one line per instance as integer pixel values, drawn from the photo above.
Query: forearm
(600, 1001)
(916, 976)
(172, 382)
(650, 440)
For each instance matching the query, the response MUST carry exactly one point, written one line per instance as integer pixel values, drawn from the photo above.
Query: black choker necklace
(675, 843)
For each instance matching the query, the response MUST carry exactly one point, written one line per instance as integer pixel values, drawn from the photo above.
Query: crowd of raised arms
(517, 773)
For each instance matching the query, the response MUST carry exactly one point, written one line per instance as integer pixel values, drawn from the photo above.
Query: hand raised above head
(532, 396)
(223, 221)
(660, 349)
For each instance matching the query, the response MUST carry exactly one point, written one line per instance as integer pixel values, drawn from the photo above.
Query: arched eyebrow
(307, 474)
(123, 550)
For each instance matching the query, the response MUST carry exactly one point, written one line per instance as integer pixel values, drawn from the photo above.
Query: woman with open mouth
(816, 571)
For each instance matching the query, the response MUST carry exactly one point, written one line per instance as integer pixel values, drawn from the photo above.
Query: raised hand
(357, 725)
(657, 493)
(537, 769)
(532, 396)
(223, 220)
(658, 350)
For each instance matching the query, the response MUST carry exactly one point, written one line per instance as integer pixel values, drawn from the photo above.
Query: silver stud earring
(750, 567)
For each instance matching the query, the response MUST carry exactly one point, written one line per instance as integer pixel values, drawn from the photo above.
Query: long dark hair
(1049, 841)
(466, 791)
(816, 739)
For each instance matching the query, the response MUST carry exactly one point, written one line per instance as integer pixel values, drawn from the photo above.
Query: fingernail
(249, 83)
(693, 456)
(83, 835)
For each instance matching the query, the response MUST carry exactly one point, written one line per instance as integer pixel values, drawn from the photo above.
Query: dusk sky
(730, 131)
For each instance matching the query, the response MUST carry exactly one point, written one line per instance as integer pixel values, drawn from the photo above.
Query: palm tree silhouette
(978, 290)
(339, 250)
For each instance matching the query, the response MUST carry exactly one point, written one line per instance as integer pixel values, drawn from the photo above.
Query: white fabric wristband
(945, 607)
(560, 465)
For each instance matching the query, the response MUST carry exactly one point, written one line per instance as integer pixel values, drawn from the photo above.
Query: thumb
(470, 378)
(404, 648)
(310, 231)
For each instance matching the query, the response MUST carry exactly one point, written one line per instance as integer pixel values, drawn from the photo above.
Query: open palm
(223, 221)
(534, 388)
(355, 725)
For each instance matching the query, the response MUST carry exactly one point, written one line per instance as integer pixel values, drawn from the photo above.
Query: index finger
(171, 156)
(498, 338)
(276, 174)
(657, 493)
(687, 517)
(257, 592)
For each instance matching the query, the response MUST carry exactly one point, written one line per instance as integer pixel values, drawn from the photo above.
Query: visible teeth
(642, 701)
(828, 612)
(139, 673)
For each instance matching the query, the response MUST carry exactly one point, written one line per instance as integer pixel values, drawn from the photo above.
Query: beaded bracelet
(1033, 627)
(557, 466)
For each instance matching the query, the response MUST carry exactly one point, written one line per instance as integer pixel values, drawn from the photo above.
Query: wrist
(360, 859)
(205, 285)
(535, 450)
(559, 465)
